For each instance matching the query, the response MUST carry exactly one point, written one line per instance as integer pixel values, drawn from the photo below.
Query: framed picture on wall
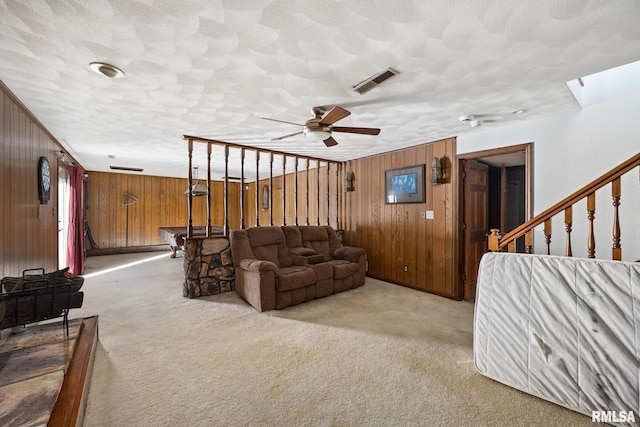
(405, 185)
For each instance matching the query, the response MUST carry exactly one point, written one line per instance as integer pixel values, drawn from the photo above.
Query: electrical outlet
(406, 215)
(406, 268)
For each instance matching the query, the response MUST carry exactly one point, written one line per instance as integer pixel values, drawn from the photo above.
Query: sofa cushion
(268, 244)
(295, 277)
(292, 236)
(316, 238)
(334, 242)
(323, 271)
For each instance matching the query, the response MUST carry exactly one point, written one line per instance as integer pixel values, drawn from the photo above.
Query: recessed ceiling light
(107, 70)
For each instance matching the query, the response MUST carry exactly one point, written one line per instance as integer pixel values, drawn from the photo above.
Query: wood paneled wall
(28, 230)
(161, 203)
(395, 235)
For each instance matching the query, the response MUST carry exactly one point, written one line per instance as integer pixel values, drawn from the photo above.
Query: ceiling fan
(320, 127)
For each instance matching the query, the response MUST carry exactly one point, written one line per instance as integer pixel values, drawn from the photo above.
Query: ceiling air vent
(373, 81)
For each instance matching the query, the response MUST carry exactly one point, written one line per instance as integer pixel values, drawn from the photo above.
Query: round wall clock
(44, 180)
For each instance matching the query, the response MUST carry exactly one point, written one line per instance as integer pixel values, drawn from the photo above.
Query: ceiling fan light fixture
(319, 134)
(107, 70)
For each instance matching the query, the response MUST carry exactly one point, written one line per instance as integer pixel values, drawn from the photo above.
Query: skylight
(606, 85)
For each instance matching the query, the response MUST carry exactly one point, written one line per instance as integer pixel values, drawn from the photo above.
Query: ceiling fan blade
(330, 142)
(335, 114)
(364, 131)
(286, 136)
(281, 121)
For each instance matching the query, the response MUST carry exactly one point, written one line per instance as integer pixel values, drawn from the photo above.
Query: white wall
(569, 151)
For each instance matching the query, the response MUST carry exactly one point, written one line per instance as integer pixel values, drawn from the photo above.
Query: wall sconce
(436, 172)
(349, 179)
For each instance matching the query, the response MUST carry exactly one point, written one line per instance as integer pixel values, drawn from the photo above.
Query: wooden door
(474, 228)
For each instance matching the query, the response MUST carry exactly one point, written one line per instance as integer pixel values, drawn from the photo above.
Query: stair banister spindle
(616, 192)
(570, 200)
(547, 235)
(591, 215)
(568, 223)
(528, 242)
(494, 240)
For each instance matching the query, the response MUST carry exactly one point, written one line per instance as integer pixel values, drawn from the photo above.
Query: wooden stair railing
(500, 243)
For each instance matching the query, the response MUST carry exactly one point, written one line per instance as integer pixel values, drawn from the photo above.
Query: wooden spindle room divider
(330, 185)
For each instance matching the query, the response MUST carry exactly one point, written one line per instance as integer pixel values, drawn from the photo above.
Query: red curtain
(75, 238)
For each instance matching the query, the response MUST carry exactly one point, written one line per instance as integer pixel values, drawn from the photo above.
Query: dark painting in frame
(405, 185)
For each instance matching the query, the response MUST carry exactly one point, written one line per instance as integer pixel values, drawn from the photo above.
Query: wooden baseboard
(129, 250)
(69, 408)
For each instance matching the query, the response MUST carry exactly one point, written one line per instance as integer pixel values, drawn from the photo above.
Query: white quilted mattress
(563, 329)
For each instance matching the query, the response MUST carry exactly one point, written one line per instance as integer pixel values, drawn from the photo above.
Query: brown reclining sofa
(276, 267)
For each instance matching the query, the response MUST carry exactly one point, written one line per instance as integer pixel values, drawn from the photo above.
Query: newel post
(494, 240)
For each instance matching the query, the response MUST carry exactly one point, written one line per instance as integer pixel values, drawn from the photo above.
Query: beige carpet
(379, 355)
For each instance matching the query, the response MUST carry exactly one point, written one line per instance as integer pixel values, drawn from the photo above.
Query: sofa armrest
(256, 265)
(255, 281)
(304, 256)
(349, 253)
(302, 251)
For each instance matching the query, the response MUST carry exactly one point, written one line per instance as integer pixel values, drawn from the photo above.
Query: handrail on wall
(227, 145)
(498, 242)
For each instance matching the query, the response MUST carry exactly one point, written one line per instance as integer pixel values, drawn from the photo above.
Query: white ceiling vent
(373, 81)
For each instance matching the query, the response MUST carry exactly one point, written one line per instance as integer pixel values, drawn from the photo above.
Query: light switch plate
(429, 214)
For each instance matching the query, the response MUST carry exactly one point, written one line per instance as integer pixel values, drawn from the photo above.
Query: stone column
(208, 267)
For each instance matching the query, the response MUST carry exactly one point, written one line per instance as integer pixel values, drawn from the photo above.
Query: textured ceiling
(213, 68)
